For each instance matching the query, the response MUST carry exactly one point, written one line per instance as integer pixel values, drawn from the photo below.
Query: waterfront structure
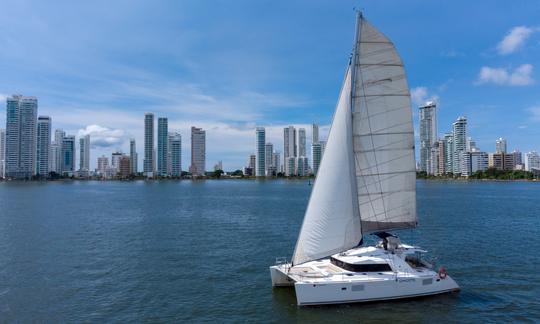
(134, 160)
(441, 150)
(269, 160)
(314, 133)
(471, 145)
(102, 164)
(115, 160)
(198, 151)
(428, 134)
(260, 137)
(162, 149)
(175, 154)
(460, 142)
(57, 145)
(316, 153)
(434, 155)
(84, 154)
(54, 156)
(2, 152)
(124, 166)
(43, 145)
(21, 139)
(302, 166)
(249, 170)
(68, 155)
(276, 162)
(289, 148)
(290, 166)
(148, 162)
(532, 160)
(302, 142)
(500, 145)
(448, 153)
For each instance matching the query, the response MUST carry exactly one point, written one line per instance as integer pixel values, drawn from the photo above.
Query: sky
(228, 66)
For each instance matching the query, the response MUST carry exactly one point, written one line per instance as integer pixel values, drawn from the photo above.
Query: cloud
(101, 137)
(420, 95)
(514, 40)
(520, 76)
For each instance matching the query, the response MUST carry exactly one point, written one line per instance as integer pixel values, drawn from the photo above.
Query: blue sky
(226, 66)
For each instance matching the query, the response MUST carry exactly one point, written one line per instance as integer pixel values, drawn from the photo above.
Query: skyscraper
(102, 164)
(269, 159)
(133, 156)
(148, 164)
(428, 134)
(43, 145)
(56, 151)
(500, 145)
(21, 119)
(2, 152)
(260, 137)
(316, 153)
(84, 153)
(163, 139)
(460, 142)
(532, 160)
(198, 151)
(289, 148)
(276, 161)
(175, 154)
(302, 142)
(315, 133)
(302, 166)
(448, 153)
(68, 155)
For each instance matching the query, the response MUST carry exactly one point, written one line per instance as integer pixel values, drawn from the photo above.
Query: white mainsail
(383, 134)
(366, 180)
(331, 223)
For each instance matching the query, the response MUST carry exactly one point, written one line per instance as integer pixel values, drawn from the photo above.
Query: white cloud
(420, 95)
(103, 137)
(514, 40)
(520, 76)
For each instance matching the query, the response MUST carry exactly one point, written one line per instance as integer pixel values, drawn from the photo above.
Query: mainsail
(366, 180)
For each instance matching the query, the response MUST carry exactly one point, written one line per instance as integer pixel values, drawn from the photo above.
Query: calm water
(200, 251)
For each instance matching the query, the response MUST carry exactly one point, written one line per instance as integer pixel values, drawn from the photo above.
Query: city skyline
(227, 88)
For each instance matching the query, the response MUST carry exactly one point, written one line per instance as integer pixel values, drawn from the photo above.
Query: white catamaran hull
(349, 291)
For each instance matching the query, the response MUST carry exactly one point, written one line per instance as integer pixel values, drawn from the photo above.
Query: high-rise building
(198, 151)
(441, 158)
(276, 161)
(500, 145)
(302, 142)
(532, 160)
(56, 151)
(148, 163)
(175, 154)
(21, 139)
(115, 160)
(302, 166)
(460, 142)
(290, 166)
(434, 154)
(315, 133)
(316, 153)
(428, 134)
(84, 153)
(448, 153)
(2, 152)
(471, 145)
(260, 138)
(162, 149)
(218, 166)
(134, 158)
(68, 155)
(43, 145)
(289, 148)
(124, 166)
(269, 159)
(102, 164)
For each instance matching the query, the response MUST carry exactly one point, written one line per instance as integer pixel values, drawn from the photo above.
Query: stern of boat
(279, 274)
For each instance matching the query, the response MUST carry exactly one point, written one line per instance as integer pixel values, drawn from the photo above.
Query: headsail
(332, 223)
(383, 134)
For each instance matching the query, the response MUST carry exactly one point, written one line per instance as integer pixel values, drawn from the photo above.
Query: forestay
(332, 223)
(383, 134)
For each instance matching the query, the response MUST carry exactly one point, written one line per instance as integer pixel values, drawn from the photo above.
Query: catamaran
(366, 184)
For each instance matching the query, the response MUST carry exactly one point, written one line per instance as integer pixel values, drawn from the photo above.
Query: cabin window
(370, 267)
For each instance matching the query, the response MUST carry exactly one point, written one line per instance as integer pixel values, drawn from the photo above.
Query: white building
(84, 153)
(175, 154)
(448, 153)
(428, 134)
(316, 152)
(302, 142)
(302, 166)
(500, 145)
(315, 133)
(198, 151)
(276, 161)
(290, 166)
(289, 149)
(269, 160)
(460, 142)
(43, 145)
(532, 160)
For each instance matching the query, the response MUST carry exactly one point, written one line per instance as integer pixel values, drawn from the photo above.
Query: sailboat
(366, 184)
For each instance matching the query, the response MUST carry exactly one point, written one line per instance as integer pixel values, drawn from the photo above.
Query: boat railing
(281, 260)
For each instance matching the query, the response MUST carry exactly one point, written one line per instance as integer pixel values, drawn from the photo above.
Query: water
(200, 251)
